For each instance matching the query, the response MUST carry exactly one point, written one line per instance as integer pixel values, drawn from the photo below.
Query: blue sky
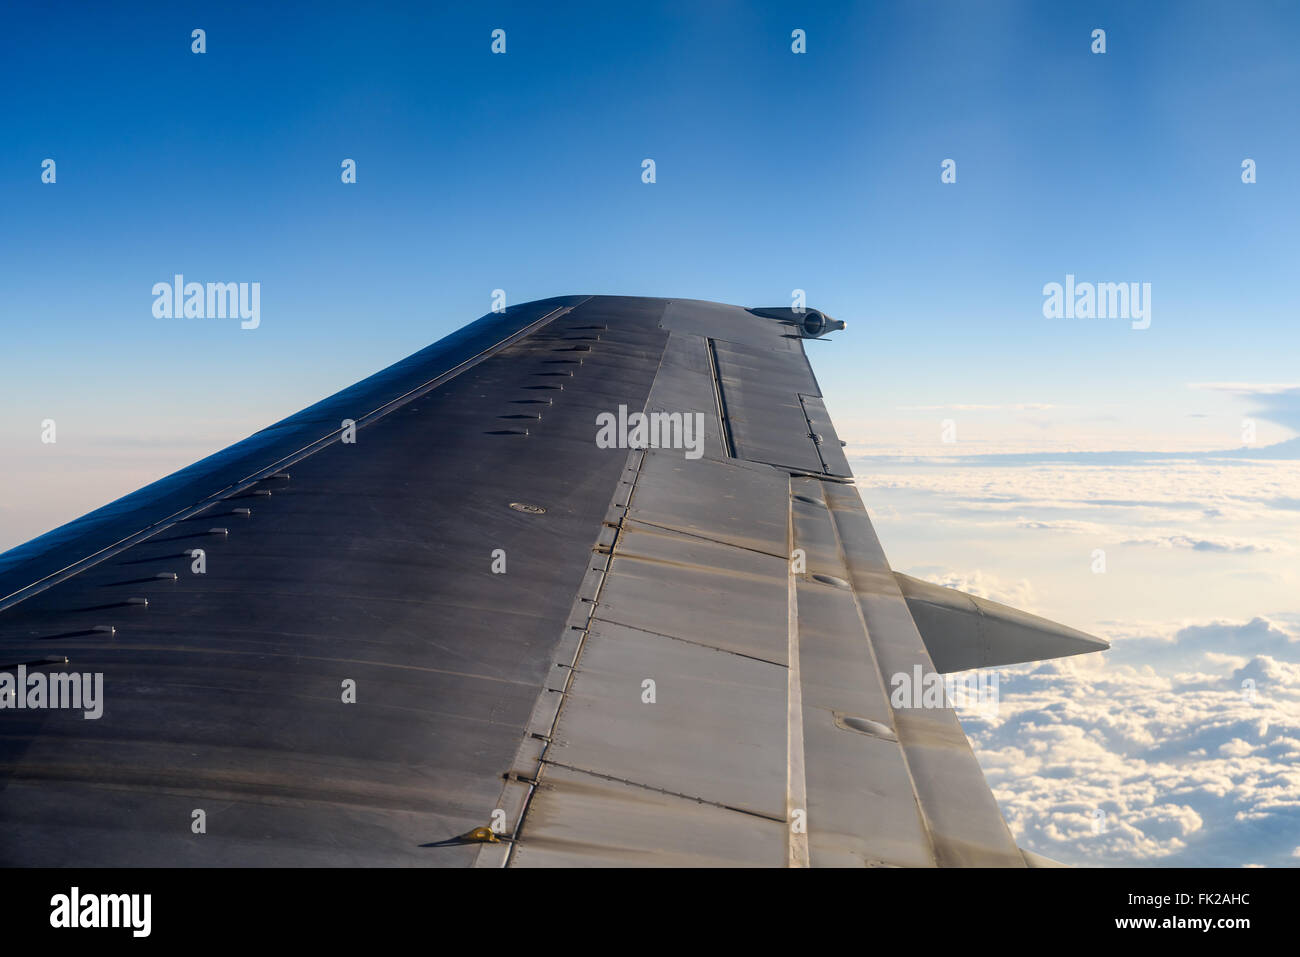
(775, 171)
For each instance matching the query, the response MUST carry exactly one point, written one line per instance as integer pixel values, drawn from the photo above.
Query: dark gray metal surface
(649, 682)
(43, 559)
(372, 562)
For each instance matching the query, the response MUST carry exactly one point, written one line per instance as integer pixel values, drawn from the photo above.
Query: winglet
(962, 631)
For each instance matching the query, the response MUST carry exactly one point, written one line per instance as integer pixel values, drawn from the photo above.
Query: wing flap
(960, 813)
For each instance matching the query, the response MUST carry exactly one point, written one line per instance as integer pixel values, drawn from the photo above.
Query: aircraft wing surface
(588, 576)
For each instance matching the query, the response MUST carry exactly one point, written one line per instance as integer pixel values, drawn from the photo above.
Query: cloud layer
(1181, 745)
(1099, 763)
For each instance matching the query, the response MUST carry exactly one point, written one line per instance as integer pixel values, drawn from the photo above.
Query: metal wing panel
(960, 813)
(694, 602)
(648, 829)
(371, 563)
(862, 807)
(691, 592)
(221, 474)
(677, 739)
(763, 400)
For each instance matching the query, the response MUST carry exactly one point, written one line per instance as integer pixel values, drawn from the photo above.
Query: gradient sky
(775, 171)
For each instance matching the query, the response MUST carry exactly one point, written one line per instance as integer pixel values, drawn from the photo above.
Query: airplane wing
(584, 583)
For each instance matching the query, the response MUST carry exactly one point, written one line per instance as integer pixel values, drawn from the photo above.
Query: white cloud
(1246, 388)
(982, 584)
(1239, 507)
(1095, 762)
(1016, 407)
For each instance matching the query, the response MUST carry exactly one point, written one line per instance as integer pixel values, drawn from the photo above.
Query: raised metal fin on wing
(963, 631)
